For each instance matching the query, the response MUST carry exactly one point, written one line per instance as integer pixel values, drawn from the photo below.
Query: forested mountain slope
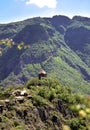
(59, 45)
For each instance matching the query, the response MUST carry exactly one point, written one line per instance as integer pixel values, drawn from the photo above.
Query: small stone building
(41, 74)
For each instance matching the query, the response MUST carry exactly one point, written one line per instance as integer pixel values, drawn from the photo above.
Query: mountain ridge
(59, 45)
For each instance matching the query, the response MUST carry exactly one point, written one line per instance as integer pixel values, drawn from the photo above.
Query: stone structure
(41, 74)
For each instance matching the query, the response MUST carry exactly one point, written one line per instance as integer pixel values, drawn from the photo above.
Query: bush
(32, 82)
(49, 82)
(20, 127)
(39, 101)
(78, 124)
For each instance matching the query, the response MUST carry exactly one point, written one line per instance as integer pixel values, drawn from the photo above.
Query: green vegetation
(44, 104)
(60, 101)
(59, 45)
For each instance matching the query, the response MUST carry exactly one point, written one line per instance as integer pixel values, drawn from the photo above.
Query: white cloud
(42, 3)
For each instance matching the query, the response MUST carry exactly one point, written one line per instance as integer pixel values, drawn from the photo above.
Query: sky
(18, 10)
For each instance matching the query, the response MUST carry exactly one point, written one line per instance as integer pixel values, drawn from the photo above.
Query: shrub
(78, 124)
(39, 101)
(49, 82)
(20, 127)
(32, 82)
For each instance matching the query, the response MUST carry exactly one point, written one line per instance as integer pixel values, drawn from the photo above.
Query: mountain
(59, 45)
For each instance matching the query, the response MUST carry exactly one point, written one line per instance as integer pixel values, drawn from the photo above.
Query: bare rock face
(43, 114)
(64, 109)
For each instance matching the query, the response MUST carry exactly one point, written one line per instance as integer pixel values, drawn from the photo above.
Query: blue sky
(16, 10)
